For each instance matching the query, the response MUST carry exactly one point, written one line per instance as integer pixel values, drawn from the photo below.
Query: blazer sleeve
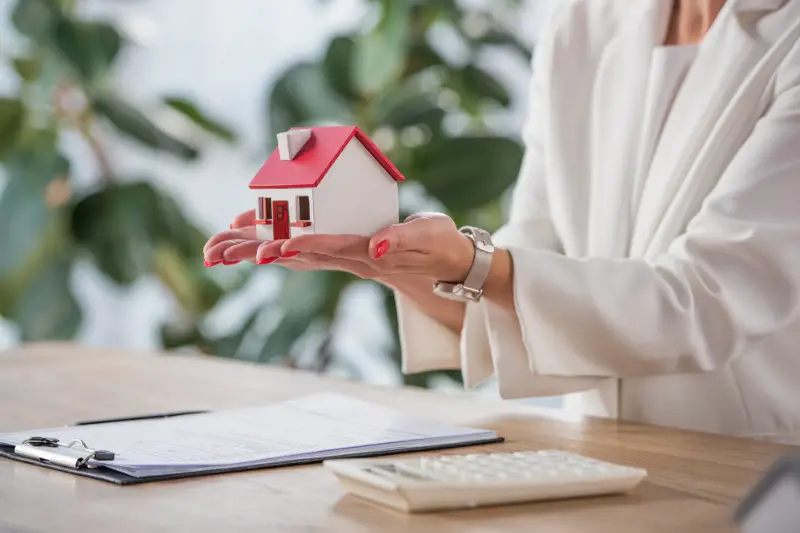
(729, 281)
(429, 345)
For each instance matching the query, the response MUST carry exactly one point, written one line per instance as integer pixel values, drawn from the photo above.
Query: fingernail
(209, 264)
(289, 254)
(381, 249)
(267, 260)
(230, 262)
(231, 226)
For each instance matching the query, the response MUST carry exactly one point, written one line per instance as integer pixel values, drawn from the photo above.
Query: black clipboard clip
(74, 454)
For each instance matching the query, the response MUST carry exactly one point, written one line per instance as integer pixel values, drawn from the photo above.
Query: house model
(773, 505)
(327, 180)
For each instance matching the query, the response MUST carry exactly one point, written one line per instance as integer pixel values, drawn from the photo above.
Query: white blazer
(680, 307)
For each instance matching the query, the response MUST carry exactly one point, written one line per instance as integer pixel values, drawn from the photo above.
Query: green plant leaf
(178, 259)
(23, 215)
(194, 290)
(303, 96)
(467, 172)
(36, 18)
(420, 57)
(178, 335)
(279, 343)
(89, 47)
(338, 66)
(310, 293)
(28, 68)
(305, 297)
(133, 123)
(12, 119)
(23, 211)
(474, 85)
(48, 309)
(173, 228)
(381, 54)
(230, 346)
(408, 106)
(119, 226)
(489, 216)
(193, 113)
(502, 37)
(51, 245)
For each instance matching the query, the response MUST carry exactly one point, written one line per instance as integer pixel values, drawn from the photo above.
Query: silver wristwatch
(471, 289)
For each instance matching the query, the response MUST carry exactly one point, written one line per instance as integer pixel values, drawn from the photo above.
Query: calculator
(442, 482)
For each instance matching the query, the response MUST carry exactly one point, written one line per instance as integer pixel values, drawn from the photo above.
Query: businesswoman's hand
(426, 244)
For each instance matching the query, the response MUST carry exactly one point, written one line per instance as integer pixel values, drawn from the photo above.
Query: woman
(652, 254)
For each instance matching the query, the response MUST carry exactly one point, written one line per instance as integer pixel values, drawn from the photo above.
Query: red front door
(280, 222)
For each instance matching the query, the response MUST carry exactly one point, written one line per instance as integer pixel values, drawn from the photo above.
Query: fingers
(248, 233)
(253, 250)
(242, 250)
(269, 252)
(216, 254)
(242, 220)
(403, 237)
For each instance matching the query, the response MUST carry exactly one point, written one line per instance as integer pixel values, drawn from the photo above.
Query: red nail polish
(210, 264)
(290, 254)
(231, 226)
(381, 249)
(267, 260)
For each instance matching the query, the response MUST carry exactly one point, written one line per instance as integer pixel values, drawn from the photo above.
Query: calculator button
(529, 467)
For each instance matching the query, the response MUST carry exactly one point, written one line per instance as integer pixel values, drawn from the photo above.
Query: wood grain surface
(695, 480)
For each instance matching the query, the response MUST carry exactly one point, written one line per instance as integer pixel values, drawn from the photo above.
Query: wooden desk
(695, 479)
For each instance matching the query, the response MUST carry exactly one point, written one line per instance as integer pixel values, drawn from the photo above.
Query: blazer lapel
(721, 77)
(616, 122)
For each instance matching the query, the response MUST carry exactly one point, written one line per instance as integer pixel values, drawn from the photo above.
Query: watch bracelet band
(481, 261)
(471, 288)
(479, 270)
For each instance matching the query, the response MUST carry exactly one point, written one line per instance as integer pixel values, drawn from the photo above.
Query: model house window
(264, 209)
(303, 209)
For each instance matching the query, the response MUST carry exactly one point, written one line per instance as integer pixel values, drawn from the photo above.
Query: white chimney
(291, 142)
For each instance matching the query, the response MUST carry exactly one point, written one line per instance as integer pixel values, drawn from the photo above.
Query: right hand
(241, 243)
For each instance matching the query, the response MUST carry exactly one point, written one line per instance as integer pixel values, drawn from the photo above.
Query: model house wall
(264, 231)
(357, 196)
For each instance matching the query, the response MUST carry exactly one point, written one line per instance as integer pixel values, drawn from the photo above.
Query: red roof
(315, 159)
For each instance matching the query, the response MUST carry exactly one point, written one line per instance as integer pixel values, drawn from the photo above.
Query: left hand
(425, 244)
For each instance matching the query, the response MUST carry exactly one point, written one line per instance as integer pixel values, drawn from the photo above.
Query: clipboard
(73, 457)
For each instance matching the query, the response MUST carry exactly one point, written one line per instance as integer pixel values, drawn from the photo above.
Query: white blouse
(668, 67)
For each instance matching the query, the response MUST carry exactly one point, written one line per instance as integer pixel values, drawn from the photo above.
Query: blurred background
(129, 130)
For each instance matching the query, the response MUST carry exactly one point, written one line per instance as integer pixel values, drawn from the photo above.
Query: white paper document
(319, 426)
